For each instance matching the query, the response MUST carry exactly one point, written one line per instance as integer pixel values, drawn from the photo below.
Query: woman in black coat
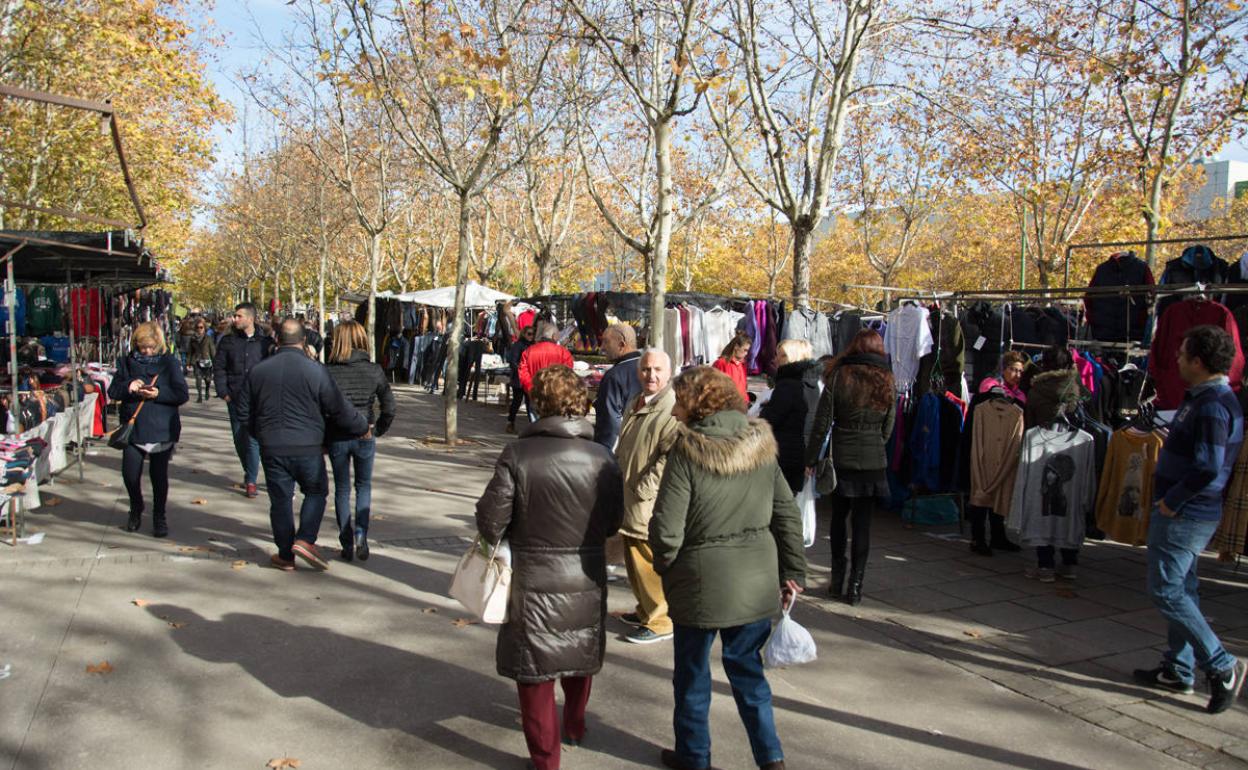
(556, 496)
(364, 384)
(791, 410)
(150, 383)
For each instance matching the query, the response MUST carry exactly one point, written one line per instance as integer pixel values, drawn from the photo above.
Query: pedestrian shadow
(373, 684)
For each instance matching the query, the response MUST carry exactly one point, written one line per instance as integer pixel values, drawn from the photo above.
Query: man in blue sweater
(1192, 471)
(619, 384)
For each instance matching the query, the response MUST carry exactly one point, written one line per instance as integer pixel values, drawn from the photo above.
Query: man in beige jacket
(647, 432)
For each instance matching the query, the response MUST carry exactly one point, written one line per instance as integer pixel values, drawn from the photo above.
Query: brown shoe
(285, 565)
(311, 554)
(251, 491)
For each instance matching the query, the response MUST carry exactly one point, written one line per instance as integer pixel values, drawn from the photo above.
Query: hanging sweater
(1055, 489)
(1124, 499)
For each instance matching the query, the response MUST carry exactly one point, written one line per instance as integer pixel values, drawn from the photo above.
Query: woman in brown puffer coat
(556, 496)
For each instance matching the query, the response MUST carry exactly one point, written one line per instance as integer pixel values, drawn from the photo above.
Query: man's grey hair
(654, 352)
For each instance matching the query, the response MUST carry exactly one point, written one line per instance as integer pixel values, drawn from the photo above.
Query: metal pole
(10, 301)
(73, 368)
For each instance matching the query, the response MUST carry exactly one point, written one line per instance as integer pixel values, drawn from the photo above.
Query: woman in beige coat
(647, 432)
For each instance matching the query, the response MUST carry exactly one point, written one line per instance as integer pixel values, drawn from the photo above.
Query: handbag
(482, 582)
(120, 438)
(825, 471)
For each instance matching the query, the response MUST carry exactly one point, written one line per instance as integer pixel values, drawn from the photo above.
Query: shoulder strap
(135, 416)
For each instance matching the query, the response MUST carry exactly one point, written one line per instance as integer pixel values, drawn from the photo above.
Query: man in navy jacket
(619, 384)
(287, 402)
(237, 353)
(1193, 469)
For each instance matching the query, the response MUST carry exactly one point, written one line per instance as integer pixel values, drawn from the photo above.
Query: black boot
(836, 588)
(160, 527)
(361, 547)
(853, 592)
(1000, 540)
(135, 521)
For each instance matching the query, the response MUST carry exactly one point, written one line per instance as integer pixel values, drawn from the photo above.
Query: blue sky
(237, 21)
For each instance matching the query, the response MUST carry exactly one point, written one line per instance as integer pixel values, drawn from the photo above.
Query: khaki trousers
(647, 586)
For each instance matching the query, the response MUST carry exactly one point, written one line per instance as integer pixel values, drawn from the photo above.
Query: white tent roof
(475, 295)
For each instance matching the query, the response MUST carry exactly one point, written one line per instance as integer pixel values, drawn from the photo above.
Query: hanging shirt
(907, 339)
(809, 325)
(19, 314)
(1056, 488)
(1163, 363)
(1124, 500)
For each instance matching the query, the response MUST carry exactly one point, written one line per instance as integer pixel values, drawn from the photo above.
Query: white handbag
(482, 581)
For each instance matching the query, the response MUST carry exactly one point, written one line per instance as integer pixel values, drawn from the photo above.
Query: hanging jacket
(1163, 365)
(1119, 318)
(925, 444)
(1197, 264)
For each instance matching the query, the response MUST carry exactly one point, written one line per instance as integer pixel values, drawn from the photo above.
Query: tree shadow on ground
(409, 692)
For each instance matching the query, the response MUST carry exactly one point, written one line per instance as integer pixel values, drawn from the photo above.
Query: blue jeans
(245, 446)
(281, 474)
(344, 456)
(691, 680)
(1174, 547)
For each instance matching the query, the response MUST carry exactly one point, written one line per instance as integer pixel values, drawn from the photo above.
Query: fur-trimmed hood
(728, 443)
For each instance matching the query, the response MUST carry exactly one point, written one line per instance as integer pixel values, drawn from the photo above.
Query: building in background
(1227, 179)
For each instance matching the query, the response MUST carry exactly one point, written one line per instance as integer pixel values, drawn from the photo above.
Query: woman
(732, 362)
(1013, 364)
(364, 384)
(857, 406)
(791, 409)
(556, 496)
(724, 527)
(149, 382)
(203, 350)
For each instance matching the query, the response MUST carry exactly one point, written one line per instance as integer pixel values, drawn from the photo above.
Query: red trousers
(540, 717)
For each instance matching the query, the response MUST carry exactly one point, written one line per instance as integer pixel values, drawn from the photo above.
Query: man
(543, 353)
(647, 433)
(518, 394)
(1192, 470)
(286, 403)
(237, 354)
(619, 384)
(311, 336)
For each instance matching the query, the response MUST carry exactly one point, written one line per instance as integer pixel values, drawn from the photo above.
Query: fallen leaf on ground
(974, 633)
(51, 501)
(379, 517)
(175, 624)
(100, 668)
(237, 486)
(191, 548)
(1066, 593)
(199, 501)
(430, 610)
(238, 564)
(463, 622)
(140, 602)
(281, 763)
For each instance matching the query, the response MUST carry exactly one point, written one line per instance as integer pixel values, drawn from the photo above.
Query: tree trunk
(374, 248)
(320, 300)
(1152, 223)
(264, 289)
(457, 323)
(802, 244)
(663, 230)
(543, 272)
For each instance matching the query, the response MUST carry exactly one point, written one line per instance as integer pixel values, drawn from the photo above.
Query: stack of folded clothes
(19, 458)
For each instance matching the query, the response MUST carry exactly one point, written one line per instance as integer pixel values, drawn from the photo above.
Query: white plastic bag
(789, 644)
(806, 504)
(756, 408)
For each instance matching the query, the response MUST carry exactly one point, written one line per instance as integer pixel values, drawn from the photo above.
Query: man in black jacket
(619, 384)
(237, 353)
(287, 402)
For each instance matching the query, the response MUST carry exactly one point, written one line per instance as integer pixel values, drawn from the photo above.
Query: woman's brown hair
(558, 391)
(1011, 357)
(867, 385)
(703, 391)
(737, 341)
(349, 336)
(149, 333)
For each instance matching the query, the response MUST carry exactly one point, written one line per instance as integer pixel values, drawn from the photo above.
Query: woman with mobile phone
(150, 386)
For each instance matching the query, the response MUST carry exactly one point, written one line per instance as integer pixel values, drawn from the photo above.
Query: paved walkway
(215, 661)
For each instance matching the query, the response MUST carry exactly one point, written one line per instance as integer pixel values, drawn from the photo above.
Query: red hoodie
(537, 357)
(736, 371)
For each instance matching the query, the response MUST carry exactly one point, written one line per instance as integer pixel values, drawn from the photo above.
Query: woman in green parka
(727, 541)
